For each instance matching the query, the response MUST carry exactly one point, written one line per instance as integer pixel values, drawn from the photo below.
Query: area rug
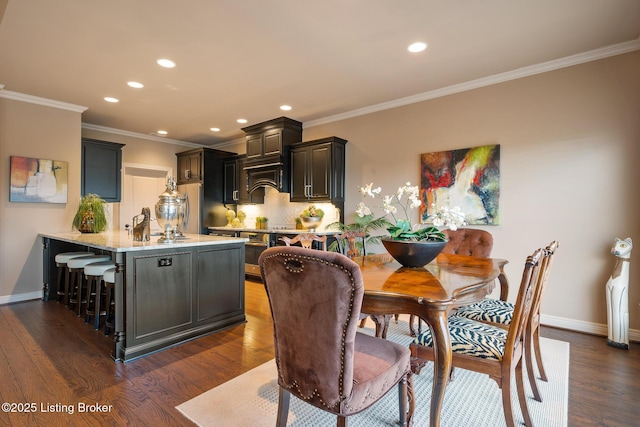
(472, 399)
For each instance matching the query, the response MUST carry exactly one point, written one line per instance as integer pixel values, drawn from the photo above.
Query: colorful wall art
(468, 178)
(38, 180)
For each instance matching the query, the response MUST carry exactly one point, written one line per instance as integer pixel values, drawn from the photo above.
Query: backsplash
(282, 213)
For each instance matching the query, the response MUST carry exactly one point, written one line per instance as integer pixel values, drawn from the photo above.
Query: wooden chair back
(350, 242)
(306, 240)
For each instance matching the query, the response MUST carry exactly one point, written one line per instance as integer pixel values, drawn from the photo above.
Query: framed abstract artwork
(467, 178)
(38, 180)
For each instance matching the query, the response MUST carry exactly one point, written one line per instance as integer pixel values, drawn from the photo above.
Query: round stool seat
(98, 268)
(109, 276)
(81, 262)
(64, 257)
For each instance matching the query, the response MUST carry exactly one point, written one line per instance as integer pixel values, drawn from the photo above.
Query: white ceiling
(245, 58)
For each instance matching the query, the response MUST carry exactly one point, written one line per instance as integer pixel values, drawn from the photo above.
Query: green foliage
(312, 211)
(366, 223)
(403, 231)
(91, 216)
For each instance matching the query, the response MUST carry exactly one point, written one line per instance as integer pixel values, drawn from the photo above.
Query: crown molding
(157, 138)
(16, 96)
(556, 64)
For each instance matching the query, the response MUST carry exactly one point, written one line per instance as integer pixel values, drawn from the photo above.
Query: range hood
(270, 174)
(267, 157)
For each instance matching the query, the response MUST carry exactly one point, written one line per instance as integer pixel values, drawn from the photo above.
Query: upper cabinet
(317, 171)
(190, 166)
(267, 157)
(270, 139)
(101, 169)
(236, 183)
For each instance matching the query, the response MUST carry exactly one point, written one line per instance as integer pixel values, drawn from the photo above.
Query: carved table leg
(438, 323)
(504, 285)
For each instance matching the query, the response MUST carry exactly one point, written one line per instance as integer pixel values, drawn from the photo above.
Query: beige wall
(570, 144)
(569, 140)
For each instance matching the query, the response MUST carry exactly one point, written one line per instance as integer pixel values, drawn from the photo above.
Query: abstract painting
(38, 180)
(468, 178)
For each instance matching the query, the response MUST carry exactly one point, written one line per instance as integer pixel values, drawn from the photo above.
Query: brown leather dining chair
(469, 241)
(306, 240)
(315, 299)
(464, 241)
(500, 313)
(491, 350)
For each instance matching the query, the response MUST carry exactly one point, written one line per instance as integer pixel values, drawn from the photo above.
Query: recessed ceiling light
(135, 85)
(162, 132)
(285, 107)
(242, 120)
(110, 99)
(215, 129)
(417, 47)
(167, 63)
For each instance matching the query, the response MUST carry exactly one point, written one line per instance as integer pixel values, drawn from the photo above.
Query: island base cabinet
(175, 295)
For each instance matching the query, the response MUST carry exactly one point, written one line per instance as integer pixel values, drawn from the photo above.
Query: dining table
(431, 293)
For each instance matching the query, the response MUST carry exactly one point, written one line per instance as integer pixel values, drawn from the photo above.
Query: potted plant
(411, 246)
(91, 216)
(311, 217)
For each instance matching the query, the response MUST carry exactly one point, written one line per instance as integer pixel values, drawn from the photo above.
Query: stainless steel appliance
(258, 242)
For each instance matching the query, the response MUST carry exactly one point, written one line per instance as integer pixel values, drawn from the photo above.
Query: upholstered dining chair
(306, 240)
(463, 241)
(500, 313)
(315, 298)
(468, 241)
(491, 350)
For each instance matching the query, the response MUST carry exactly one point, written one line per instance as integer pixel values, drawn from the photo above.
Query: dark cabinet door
(254, 146)
(190, 168)
(230, 182)
(101, 169)
(272, 143)
(299, 167)
(320, 172)
(317, 171)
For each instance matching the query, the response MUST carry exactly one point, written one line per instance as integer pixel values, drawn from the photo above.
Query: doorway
(141, 186)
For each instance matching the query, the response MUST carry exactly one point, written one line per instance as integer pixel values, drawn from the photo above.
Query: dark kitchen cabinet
(190, 166)
(205, 166)
(270, 138)
(235, 183)
(267, 157)
(101, 169)
(318, 170)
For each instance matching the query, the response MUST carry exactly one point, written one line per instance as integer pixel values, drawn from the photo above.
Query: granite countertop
(275, 230)
(121, 241)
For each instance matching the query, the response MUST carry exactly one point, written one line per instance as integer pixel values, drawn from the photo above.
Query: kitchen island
(165, 293)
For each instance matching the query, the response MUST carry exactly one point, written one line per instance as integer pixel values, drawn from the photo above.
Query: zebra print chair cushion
(471, 338)
(488, 310)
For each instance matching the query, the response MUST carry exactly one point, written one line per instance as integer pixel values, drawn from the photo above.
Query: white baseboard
(8, 299)
(582, 326)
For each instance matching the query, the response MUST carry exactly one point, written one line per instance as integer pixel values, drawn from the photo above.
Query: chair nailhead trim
(301, 259)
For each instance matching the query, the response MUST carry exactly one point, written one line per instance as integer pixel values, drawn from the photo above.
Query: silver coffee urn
(169, 211)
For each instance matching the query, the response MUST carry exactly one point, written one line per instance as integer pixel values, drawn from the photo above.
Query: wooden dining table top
(450, 278)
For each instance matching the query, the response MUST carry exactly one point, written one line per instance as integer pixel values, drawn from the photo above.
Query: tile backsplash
(282, 213)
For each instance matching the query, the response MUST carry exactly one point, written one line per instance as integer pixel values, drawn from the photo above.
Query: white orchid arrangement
(407, 198)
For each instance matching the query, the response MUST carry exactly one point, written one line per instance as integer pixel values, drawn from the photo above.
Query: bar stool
(76, 269)
(109, 279)
(94, 274)
(61, 260)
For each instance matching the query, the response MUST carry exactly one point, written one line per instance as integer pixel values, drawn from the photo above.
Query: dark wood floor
(49, 357)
